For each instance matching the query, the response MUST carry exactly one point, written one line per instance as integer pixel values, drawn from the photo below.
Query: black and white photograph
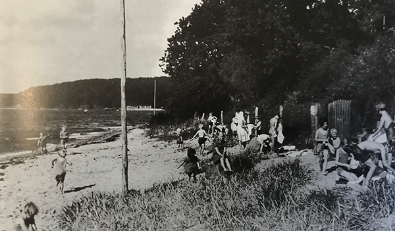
(197, 115)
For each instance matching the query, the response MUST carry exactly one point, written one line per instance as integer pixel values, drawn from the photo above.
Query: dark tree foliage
(230, 53)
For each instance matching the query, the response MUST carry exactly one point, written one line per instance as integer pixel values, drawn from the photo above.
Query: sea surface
(20, 128)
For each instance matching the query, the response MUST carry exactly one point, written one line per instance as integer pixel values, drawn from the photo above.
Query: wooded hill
(91, 93)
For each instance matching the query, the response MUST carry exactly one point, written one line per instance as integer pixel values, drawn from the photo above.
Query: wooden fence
(339, 117)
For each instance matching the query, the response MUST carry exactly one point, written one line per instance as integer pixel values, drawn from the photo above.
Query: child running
(60, 164)
(202, 138)
(26, 221)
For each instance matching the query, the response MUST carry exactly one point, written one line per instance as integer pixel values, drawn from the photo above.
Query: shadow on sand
(76, 189)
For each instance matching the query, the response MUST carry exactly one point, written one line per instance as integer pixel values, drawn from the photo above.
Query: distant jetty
(143, 108)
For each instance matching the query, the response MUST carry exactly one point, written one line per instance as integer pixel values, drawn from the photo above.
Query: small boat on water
(86, 110)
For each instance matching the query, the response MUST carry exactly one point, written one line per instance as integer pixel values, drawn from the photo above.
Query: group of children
(25, 221)
(373, 152)
(218, 133)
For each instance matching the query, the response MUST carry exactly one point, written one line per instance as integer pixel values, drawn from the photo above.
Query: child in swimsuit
(59, 164)
(64, 137)
(202, 138)
(321, 148)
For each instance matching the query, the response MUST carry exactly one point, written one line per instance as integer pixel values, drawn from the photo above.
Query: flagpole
(123, 109)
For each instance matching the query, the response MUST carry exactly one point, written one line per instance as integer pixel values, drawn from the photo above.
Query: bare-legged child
(59, 164)
(321, 149)
(219, 154)
(202, 138)
(64, 137)
(26, 221)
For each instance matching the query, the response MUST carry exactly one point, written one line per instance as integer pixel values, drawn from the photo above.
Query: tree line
(227, 54)
(91, 93)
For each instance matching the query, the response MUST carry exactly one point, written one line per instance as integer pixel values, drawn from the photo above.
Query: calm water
(20, 128)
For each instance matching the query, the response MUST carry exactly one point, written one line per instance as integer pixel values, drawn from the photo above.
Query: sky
(45, 42)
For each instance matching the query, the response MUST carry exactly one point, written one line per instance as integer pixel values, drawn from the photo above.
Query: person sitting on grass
(26, 221)
(362, 152)
(202, 138)
(321, 148)
(219, 153)
(59, 164)
(180, 141)
(344, 169)
(191, 164)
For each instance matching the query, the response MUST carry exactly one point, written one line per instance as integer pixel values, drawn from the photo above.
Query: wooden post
(124, 137)
(222, 118)
(314, 120)
(256, 117)
(154, 96)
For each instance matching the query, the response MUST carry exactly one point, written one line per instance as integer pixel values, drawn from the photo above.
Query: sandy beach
(97, 167)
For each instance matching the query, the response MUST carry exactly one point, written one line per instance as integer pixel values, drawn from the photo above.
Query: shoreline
(106, 136)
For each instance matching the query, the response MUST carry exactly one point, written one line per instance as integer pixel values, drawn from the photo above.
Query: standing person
(202, 138)
(386, 122)
(273, 131)
(321, 148)
(258, 126)
(59, 164)
(64, 136)
(240, 117)
(26, 221)
(362, 153)
(210, 122)
(42, 143)
(180, 141)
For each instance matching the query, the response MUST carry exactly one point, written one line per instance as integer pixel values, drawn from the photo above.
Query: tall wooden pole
(154, 96)
(123, 110)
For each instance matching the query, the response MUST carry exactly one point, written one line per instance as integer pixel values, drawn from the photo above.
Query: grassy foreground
(272, 199)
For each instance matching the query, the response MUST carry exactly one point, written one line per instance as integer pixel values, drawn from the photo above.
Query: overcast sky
(45, 41)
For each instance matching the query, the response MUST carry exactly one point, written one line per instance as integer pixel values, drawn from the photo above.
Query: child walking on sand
(42, 143)
(59, 164)
(26, 221)
(64, 137)
(202, 138)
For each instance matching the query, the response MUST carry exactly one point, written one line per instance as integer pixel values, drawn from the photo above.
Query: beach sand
(98, 167)
(95, 167)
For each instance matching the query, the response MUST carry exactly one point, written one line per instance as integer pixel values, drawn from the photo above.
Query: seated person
(344, 169)
(362, 152)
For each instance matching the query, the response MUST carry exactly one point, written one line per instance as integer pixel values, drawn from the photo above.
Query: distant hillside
(91, 93)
